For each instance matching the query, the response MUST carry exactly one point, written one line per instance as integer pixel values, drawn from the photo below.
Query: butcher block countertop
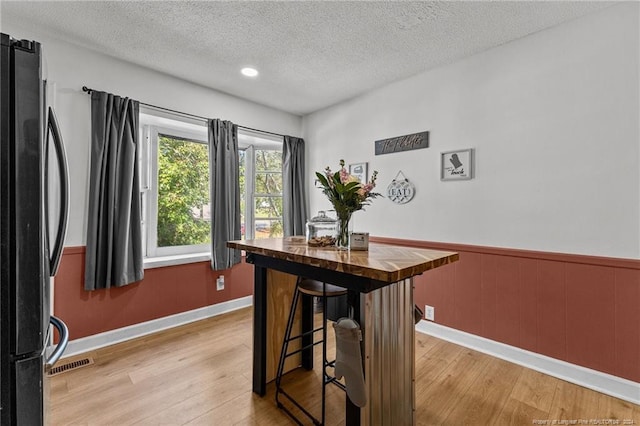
(386, 263)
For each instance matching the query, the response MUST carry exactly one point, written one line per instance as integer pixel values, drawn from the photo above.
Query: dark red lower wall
(581, 309)
(163, 291)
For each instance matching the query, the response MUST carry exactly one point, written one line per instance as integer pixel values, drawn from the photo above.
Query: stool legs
(285, 343)
(324, 354)
(284, 354)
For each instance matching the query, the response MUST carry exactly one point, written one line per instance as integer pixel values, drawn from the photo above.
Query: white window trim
(273, 144)
(151, 242)
(154, 123)
(249, 186)
(180, 259)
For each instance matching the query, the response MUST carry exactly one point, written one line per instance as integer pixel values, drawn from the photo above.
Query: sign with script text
(403, 143)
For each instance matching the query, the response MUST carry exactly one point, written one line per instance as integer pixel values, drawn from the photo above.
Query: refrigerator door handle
(62, 344)
(56, 254)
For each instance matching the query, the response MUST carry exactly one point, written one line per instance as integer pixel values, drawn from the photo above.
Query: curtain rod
(89, 90)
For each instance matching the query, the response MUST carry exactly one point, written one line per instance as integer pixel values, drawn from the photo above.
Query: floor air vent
(71, 365)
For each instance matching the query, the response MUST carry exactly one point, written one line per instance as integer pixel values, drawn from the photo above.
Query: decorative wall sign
(456, 165)
(403, 143)
(400, 191)
(359, 170)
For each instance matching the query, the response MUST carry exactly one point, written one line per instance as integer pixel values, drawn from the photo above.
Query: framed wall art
(456, 165)
(359, 170)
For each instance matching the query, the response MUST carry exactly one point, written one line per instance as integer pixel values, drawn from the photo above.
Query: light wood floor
(200, 374)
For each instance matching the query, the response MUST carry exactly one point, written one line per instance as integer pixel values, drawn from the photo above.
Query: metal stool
(323, 291)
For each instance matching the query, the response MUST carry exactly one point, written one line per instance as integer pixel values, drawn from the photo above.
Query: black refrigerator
(31, 157)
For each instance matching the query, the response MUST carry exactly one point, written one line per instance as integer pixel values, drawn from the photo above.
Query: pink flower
(344, 175)
(329, 175)
(345, 191)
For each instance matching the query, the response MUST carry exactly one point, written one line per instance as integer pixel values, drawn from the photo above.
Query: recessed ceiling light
(249, 72)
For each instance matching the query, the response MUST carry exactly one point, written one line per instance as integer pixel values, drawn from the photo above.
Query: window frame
(154, 123)
(270, 143)
(152, 132)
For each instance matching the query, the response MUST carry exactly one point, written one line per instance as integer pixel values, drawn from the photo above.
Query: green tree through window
(175, 186)
(268, 193)
(183, 192)
(261, 189)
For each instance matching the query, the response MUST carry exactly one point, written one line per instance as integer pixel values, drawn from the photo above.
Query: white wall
(72, 67)
(554, 121)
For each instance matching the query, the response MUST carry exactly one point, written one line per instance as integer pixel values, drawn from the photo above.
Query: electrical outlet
(220, 283)
(429, 313)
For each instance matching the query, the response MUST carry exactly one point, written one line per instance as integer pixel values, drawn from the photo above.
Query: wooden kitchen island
(380, 284)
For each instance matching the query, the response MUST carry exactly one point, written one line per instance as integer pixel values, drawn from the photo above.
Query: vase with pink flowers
(347, 195)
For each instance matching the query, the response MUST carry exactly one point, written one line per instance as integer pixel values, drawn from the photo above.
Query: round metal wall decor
(400, 191)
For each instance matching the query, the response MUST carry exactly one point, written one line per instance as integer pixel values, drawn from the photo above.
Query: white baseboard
(592, 379)
(111, 337)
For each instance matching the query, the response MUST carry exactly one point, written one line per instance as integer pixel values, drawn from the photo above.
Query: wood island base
(380, 293)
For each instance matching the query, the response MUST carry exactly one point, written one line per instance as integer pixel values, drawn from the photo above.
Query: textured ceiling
(310, 54)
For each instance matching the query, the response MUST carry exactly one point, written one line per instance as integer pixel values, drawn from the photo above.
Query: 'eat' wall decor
(403, 143)
(400, 191)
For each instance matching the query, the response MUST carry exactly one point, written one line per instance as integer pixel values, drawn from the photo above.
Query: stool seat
(315, 288)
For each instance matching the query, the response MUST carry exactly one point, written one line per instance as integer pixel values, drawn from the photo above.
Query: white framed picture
(456, 165)
(359, 170)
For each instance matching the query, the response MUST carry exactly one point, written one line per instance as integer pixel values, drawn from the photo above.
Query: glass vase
(342, 237)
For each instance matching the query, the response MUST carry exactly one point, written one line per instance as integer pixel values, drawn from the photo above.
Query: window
(174, 168)
(260, 184)
(175, 184)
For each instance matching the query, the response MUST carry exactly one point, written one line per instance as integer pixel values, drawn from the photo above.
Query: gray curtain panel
(114, 242)
(224, 187)
(294, 203)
